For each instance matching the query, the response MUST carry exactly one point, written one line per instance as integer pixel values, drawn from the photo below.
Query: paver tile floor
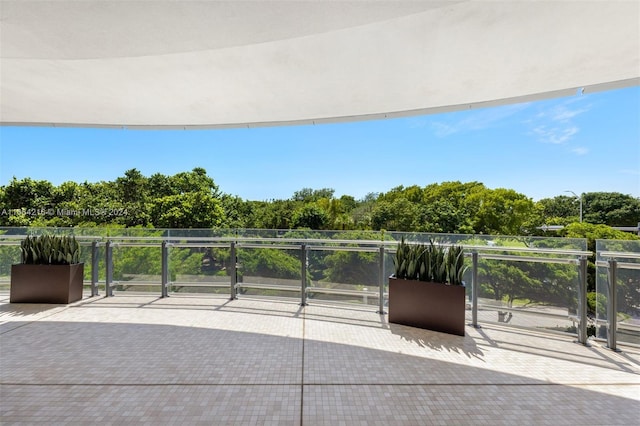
(135, 359)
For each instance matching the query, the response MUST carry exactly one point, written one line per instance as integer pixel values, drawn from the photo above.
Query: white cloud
(564, 113)
(555, 135)
(443, 129)
(475, 120)
(580, 150)
(555, 124)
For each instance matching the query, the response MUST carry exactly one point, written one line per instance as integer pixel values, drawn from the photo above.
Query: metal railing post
(165, 270)
(582, 302)
(474, 289)
(612, 306)
(303, 271)
(109, 269)
(94, 268)
(234, 271)
(381, 281)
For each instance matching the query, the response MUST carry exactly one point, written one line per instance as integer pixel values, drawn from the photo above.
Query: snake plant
(429, 262)
(50, 249)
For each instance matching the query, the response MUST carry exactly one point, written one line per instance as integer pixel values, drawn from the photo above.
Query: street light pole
(579, 198)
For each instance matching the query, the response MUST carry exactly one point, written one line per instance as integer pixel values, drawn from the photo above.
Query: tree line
(193, 200)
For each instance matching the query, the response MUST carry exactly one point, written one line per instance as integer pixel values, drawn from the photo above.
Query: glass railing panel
(269, 271)
(137, 267)
(137, 259)
(9, 255)
(529, 294)
(102, 269)
(626, 254)
(86, 256)
(351, 275)
(199, 269)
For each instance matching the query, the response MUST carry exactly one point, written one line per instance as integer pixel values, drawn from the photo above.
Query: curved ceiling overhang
(216, 64)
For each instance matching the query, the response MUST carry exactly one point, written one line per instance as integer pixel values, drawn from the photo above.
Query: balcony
(166, 347)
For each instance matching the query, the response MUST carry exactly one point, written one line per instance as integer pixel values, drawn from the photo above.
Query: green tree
(159, 186)
(188, 210)
(611, 208)
(237, 213)
(308, 195)
(443, 216)
(28, 194)
(561, 206)
(396, 215)
(361, 214)
(338, 211)
(277, 214)
(310, 216)
(132, 187)
(24, 200)
(194, 181)
(603, 208)
(133, 195)
(500, 211)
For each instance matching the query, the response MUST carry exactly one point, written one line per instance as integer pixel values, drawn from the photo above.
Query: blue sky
(582, 143)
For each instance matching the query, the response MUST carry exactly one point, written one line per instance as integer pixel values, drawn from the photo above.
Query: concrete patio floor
(186, 360)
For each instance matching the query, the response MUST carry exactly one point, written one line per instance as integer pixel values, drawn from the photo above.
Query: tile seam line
(475, 384)
(314, 384)
(133, 385)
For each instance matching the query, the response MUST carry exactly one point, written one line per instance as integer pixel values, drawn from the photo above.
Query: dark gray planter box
(46, 283)
(428, 305)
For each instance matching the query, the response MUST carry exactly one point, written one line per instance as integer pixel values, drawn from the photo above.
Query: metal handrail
(197, 245)
(120, 244)
(619, 265)
(343, 248)
(319, 242)
(528, 258)
(617, 254)
(271, 246)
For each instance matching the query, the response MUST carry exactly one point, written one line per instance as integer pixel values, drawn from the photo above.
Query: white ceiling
(209, 64)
